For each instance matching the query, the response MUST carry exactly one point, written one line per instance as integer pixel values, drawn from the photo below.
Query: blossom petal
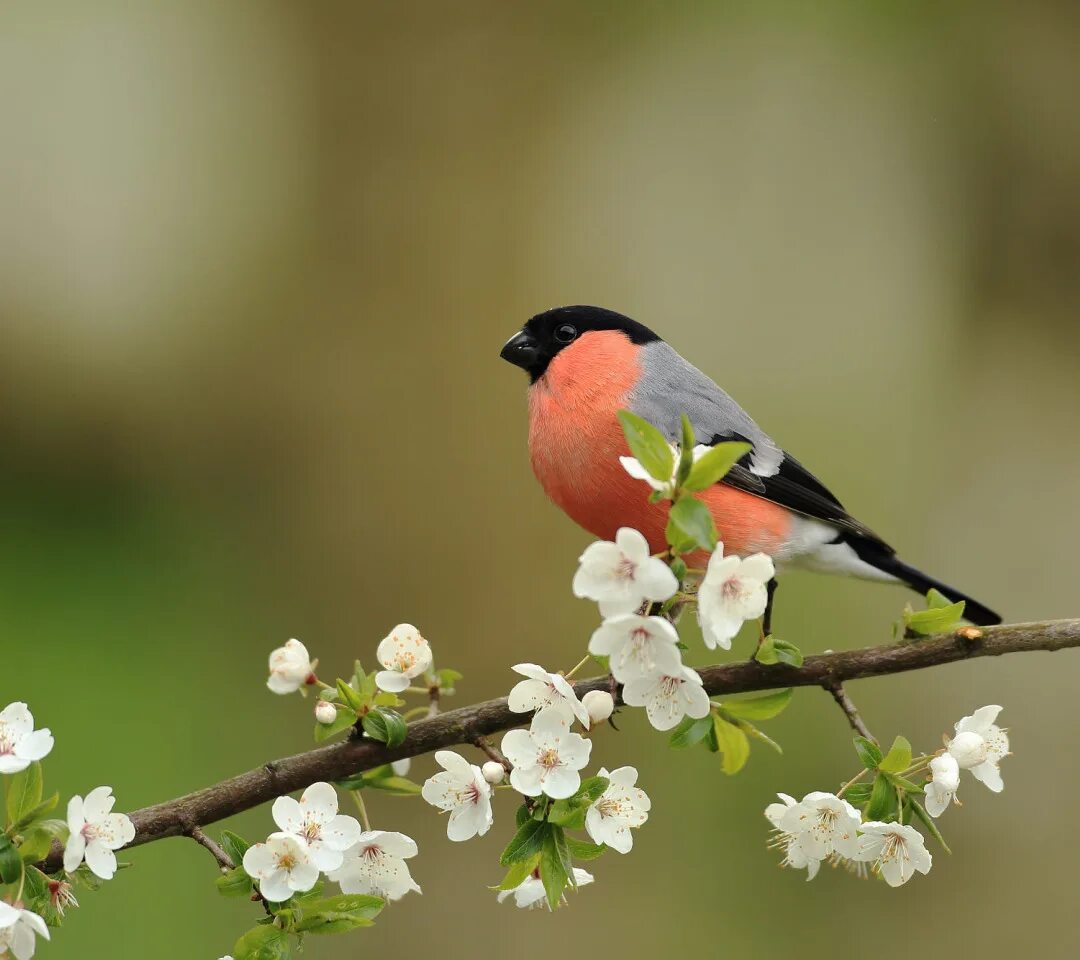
(319, 802)
(98, 803)
(288, 815)
(101, 860)
(391, 682)
(35, 746)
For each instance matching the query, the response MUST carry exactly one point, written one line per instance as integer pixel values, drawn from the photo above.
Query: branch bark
(468, 724)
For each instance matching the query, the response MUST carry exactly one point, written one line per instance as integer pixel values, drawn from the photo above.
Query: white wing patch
(810, 547)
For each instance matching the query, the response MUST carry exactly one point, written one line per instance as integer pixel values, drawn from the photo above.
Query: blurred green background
(257, 261)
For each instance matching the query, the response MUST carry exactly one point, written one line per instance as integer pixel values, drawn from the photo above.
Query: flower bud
(599, 705)
(325, 712)
(401, 767)
(968, 748)
(493, 772)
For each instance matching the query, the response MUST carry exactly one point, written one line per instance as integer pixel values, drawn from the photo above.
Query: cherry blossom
(542, 690)
(376, 866)
(941, 790)
(733, 591)
(315, 820)
(404, 655)
(20, 743)
(530, 892)
(282, 866)
(619, 808)
(668, 696)
(19, 930)
(291, 668)
(95, 832)
(895, 850)
(463, 791)
(636, 646)
(980, 745)
(547, 757)
(622, 575)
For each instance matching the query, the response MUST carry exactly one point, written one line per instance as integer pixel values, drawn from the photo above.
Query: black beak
(521, 350)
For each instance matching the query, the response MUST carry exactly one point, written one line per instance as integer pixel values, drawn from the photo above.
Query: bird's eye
(566, 333)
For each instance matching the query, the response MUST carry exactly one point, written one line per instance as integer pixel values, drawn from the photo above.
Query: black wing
(795, 487)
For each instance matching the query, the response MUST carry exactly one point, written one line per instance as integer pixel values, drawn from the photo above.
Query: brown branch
(848, 706)
(467, 724)
(492, 753)
(223, 859)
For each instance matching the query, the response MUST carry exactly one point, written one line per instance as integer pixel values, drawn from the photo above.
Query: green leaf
(689, 732)
(686, 451)
(766, 652)
(398, 786)
(36, 813)
(448, 679)
(350, 696)
(906, 785)
(24, 792)
(36, 844)
(898, 757)
(384, 699)
(526, 843)
(581, 850)
(882, 802)
(692, 517)
(339, 914)
(386, 726)
(868, 751)
(234, 883)
(678, 539)
(518, 873)
(591, 789)
(930, 823)
(733, 744)
(713, 466)
(345, 720)
(787, 653)
(234, 846)
(941, 615)
(555, 866)
(262, 943)
(759, 708)
(857, 794)
(36, 889)
(365, 684)
(523, 815)
(10, 861)
(750, 730)
(648, 445)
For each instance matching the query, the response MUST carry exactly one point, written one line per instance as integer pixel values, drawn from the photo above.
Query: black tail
(878, 555)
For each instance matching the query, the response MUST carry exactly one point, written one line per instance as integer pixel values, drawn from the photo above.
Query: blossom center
(549, 758)
(311, 831)
(626, 569)
(609, 807)
(403, 660)
(286, 861)
(733, 589)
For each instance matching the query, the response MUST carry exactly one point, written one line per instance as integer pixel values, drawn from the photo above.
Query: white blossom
(530, 892)
(547, 757)
(622, 575)
(19, 930)
(980, 745)
(376, 866)
(95, 832)
(315, 820)
(282, 866)
(494, 772)
(404, 655)
(941, 790)
(463, 791)
(290, 668)
(325, 711)
(733, 591)
(668, 696)
(666, 488)
(599, 704)
(622, 806)
(823, 824)
(636, 646)
(542, 690)
(20, 743)
(794, 855)
(401, 767)
(895, 850)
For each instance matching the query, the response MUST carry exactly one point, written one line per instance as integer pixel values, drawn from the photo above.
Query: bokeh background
(257, 261)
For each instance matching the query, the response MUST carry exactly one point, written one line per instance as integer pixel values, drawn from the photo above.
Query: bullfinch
(585, 364)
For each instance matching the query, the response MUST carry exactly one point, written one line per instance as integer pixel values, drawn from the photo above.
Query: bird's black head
(548, 333)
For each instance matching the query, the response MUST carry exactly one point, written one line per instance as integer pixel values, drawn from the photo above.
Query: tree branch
(836, 688)
(467, 724)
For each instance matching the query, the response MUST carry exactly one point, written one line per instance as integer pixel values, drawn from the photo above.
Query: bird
(586, 364)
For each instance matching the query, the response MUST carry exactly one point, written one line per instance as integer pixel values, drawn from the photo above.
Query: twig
(493, 753)
(466, 724)
(848, 706)
(223, 859)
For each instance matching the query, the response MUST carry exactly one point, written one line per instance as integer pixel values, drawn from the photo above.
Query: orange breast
(575, 442)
